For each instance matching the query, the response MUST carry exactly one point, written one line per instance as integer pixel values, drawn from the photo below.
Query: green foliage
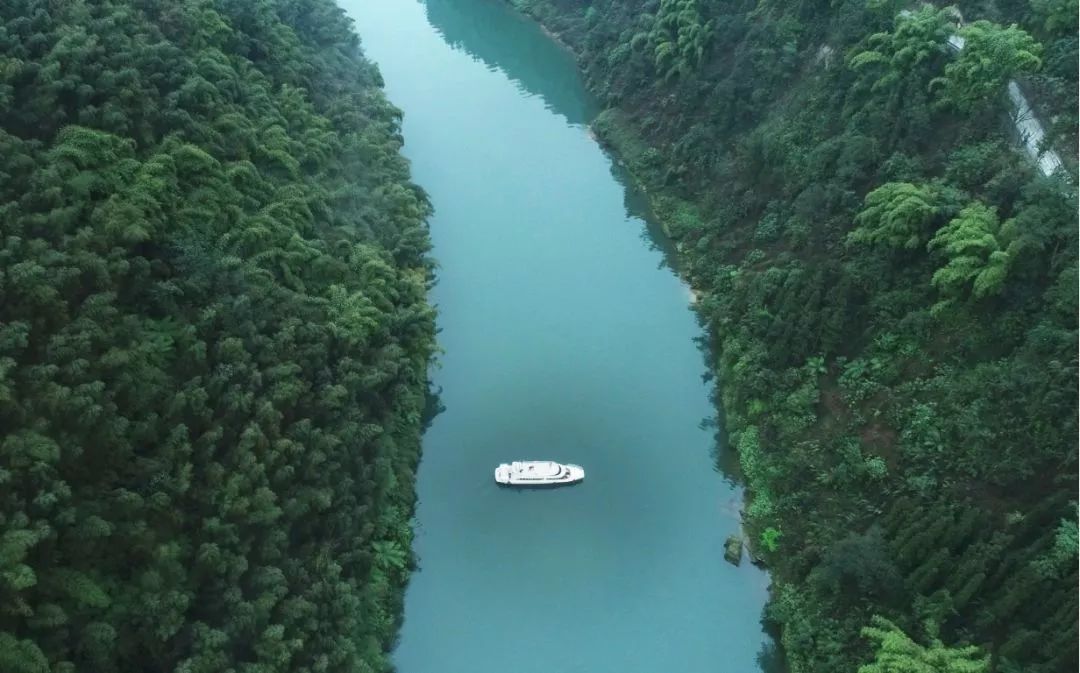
(1061, 557)
(898, 215)
(21, 656)
(213, 340)
(679, 38)
(835, 176)
(858, 565)
(1056, 15)
(898, 653)
(770, 538)
(975, 246)
(891, 61)
(991, 55)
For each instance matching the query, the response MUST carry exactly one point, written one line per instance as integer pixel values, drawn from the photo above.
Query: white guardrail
(1027, 125)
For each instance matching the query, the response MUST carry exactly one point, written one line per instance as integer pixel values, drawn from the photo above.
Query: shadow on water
(495, 33)
(433, 406)
(770, 658)
(499, 36)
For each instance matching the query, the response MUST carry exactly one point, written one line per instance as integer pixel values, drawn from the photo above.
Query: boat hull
(545, 485)
(525, 475)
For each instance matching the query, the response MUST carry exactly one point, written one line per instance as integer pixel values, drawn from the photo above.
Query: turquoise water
(567, 337)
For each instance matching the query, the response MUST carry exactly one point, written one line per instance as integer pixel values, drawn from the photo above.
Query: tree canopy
(991, 56)
(889, 290)
(213, 339)
(898, 653)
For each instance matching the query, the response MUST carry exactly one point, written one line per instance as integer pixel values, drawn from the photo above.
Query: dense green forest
(890, 287)
(214, 339)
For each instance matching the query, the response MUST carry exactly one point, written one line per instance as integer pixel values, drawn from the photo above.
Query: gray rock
(733, 549)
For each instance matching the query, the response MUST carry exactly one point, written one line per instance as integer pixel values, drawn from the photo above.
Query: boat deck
(540, 472)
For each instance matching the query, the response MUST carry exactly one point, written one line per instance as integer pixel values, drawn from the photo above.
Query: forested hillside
(213, 339)
(891, 289)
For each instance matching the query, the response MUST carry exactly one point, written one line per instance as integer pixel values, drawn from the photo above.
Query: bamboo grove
(890, 287)
(213, 339)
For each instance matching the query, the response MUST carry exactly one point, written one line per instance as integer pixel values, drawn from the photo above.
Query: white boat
(538, 473)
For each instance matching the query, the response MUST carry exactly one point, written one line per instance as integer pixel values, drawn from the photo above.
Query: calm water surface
(567, 337)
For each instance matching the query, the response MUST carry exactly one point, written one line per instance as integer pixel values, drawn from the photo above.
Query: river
(567, 336)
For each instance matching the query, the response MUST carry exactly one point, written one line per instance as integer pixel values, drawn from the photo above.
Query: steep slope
(213, 339)
(891, 290)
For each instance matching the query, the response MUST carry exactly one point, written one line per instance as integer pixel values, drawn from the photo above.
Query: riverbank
(214, 340)
(616, 133)
(565, 336)
(855, 382)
